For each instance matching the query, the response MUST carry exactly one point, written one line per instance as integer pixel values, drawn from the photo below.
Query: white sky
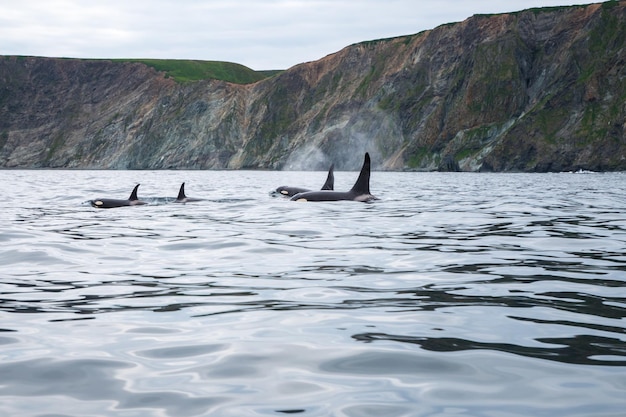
(261, 34)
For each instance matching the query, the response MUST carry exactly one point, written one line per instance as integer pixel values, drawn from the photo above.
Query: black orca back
(359, 192)
(133, 200)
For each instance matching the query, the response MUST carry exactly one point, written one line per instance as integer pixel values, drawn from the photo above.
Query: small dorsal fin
(181, 192)
(362, 184)
(133, 195)
(330, 179)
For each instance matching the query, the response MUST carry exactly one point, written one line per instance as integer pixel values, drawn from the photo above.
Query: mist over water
(455, 294)
(309, 158)
(345, 141)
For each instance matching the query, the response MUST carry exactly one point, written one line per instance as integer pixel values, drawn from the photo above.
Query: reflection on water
(456, 294)
(578, 349)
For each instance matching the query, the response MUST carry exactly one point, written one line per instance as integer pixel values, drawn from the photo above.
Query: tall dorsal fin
(133, 195)
(362, 184)
(330, 179)
(181, 192)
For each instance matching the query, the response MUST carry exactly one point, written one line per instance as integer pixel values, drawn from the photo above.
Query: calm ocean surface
(454, 295)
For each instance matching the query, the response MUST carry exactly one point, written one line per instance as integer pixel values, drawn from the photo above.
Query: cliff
(537, 90)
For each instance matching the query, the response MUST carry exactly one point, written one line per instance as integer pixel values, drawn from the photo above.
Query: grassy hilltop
(183, 70)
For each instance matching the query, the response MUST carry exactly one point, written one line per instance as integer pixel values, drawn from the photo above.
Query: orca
(112, 202)
(291, 191)
(182, 198)
(359, 192)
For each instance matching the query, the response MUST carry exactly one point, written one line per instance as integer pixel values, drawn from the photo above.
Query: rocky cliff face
(538, 90)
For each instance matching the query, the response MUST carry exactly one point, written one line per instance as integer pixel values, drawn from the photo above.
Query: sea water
(455, 294)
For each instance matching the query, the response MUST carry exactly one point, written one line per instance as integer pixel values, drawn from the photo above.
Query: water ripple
(455, 294)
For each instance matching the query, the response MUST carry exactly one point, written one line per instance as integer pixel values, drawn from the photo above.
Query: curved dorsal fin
(362, 184)
(330, 179)
(133, 195)
(181, 192)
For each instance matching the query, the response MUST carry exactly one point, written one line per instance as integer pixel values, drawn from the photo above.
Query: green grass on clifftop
(188, 70)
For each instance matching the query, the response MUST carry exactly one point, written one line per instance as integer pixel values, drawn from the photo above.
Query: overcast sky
(261, 34)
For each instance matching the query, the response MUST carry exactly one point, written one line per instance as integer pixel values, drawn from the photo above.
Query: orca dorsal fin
(181, 192)
(133, 195)
(362, 184)
(330, 179)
